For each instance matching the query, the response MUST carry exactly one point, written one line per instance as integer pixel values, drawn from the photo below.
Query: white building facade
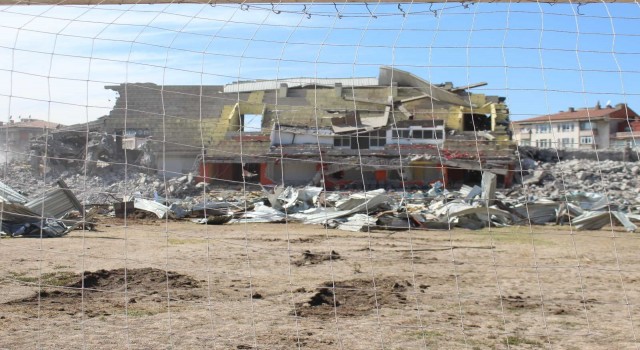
(592, 128)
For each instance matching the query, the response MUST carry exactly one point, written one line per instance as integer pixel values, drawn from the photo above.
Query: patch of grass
(428, 334)
(58, 279)
(22, 277)
(514, 340)
(61, 267)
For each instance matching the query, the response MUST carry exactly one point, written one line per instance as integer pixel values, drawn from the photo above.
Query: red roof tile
(618, 112)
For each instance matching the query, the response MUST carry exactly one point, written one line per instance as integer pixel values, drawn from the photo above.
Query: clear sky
(55, 61)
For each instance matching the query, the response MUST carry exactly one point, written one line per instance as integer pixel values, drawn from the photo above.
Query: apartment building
(586, 128)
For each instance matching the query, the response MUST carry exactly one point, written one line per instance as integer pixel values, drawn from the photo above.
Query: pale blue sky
(555, 56)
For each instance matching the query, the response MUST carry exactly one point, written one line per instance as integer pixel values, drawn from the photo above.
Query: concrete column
(338, 89)
(282, 92)
(264, 177)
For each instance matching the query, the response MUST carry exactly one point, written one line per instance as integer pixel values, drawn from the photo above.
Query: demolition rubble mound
(356, 297)
(104, 293)
(104, 188)
(589, 195)
(309, 258)
(618, 180)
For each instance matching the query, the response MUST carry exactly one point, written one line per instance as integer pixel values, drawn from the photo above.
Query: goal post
(244, 175)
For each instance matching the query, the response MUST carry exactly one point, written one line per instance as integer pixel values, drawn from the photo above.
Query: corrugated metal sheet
(11, 195)
(154, 207)
(260, 85)
(55, 203)
(17, 213)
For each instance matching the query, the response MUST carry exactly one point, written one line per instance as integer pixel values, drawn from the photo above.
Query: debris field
(586, 195)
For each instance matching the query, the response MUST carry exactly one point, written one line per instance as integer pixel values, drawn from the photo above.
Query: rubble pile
(110, 186)
(65, 149)
(619, 181)
(588, 195)
(470, 207)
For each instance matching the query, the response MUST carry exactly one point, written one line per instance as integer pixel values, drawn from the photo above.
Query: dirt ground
(155, 284)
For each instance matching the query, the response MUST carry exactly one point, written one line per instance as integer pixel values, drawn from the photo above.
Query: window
(543, 128)
(416, 134)
(422, 134)
(137, 132)
(564, 127)
(586, 140)
(427, 134)
(342, 141)
(400, 133)
(586, 126)
(251, 123)
(378, 138)
(544, 143)
(525, 142)
(567, 142)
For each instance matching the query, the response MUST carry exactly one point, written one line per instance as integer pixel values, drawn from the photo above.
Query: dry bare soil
(154, 284)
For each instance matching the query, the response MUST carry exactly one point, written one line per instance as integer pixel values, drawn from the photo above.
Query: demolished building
(393, 130)
(15, 136)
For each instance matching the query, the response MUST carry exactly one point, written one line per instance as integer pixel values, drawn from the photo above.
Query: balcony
(627, 135)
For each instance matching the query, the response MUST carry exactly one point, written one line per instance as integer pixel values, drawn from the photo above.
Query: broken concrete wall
(235, 120)
(309, 106)
(296, 172)
(552, 155)
(426, 172)
(180, 120)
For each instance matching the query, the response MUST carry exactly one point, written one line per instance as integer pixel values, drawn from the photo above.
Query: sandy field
(156, 284)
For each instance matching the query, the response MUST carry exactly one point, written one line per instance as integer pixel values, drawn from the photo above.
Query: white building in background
(588, 128)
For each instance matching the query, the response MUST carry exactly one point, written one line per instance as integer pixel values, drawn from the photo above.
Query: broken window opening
(251, 122)
(456, 177)
(476, 122)
(400, 133)
(378, 138)
(360, 142)
(342, 141)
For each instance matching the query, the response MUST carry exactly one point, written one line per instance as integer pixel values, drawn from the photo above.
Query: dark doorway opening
(476, 122)
(360, 142)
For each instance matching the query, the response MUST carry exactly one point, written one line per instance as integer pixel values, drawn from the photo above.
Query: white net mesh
(321, 175)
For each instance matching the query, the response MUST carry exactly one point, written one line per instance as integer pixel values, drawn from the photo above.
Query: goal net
(319, 175)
